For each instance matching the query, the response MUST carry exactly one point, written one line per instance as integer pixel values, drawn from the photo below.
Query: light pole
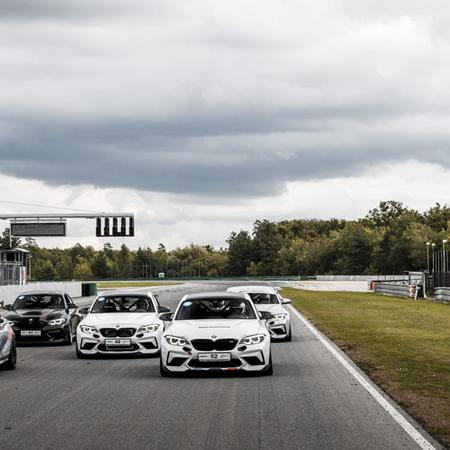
(428, 257)
(444, 256)
(433, 247)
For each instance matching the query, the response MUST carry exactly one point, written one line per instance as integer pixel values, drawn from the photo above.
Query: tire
(269, 369)
(69, 338)
(12, 359)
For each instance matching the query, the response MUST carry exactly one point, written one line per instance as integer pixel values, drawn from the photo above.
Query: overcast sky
(203, 116)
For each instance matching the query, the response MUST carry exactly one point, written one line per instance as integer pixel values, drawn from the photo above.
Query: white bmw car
(216, 331)
(266, 298)
(121, 323)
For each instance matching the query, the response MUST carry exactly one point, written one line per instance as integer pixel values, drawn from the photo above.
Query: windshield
(43, 301)
(264, 299)
(215, 308)
(128, 304)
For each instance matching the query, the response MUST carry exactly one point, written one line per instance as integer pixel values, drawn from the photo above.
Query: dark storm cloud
(173, 158)
(61, 9)
(214, 100)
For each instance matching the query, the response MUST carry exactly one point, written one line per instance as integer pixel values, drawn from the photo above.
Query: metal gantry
(33, 225)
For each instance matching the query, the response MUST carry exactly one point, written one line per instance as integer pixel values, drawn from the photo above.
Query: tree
(385, 213)
(353, 250)
(240, 250)
(82, 270)
(46, 271)
(438, 217)
(267, 242)
(5, 241)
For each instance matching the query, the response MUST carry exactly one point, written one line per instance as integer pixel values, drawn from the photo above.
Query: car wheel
(69, 337)
(80, 355)
(269, 369)
(12, 359)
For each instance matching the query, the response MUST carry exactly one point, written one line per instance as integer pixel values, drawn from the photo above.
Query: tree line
(389, 239)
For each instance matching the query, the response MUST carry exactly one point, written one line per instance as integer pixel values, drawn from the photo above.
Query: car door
(71, 307)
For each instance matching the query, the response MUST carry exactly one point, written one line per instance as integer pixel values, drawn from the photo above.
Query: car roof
(42, 293)
(124, 293)
(254, 289)
(221, 294)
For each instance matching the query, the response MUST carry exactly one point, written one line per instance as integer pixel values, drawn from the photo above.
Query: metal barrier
(11, 274)
(442, 294)
(399, 288)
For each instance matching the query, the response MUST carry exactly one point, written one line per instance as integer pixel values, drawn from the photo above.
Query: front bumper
(5, 347)
(88, 344)
(49, 335)
(252, 358)
(279, 329)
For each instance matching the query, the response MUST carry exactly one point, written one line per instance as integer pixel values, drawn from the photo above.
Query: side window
(69, 301)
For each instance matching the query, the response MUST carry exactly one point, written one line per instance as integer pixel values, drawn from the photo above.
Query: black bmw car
(41, 317)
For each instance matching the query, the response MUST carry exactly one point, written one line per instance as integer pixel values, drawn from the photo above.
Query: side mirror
(163, 309)
(265, 315)
(7, 307)
(286, 301)
(83, 311)
(73, 306)
(166, 317)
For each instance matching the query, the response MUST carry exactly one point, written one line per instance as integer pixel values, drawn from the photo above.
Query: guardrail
(396, 288)
(442, 294)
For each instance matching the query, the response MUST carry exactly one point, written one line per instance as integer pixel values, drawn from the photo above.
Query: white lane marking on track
(412, 432)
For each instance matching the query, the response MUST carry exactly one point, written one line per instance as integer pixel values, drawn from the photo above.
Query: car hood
(205, 329)
(272, 308)
(42, 314)
(104, 319)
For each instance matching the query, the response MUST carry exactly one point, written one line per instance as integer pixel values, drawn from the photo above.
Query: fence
(440, 273)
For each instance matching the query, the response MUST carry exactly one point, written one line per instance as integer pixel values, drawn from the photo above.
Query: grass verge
(127, 284)
(403, 345)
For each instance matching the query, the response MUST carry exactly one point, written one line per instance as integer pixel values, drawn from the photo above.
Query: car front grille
(132, 348)
(31, 323)
(117, 332)
(207, 345)
(195, 363)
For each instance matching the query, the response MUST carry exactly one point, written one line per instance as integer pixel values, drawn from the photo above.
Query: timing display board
(38, 229)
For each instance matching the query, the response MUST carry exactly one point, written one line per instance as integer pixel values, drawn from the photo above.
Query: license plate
(214, 357)
(118, 342)
(30, 333)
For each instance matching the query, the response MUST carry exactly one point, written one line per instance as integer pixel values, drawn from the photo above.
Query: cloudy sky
(202, 116)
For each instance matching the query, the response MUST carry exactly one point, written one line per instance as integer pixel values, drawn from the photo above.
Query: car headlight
(175, 340)
(88, 330)
(280, 316)
(56, 322)
(255, 339)
(148, 328)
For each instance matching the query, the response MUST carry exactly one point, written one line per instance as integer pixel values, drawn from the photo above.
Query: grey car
(8, 352)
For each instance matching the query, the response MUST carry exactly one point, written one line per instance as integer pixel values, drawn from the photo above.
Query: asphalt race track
(55, 401)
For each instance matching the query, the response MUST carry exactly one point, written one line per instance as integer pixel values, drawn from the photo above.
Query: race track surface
(55, 401)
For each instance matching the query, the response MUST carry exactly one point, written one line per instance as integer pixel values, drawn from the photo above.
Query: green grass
(403, 345)
(126, 284)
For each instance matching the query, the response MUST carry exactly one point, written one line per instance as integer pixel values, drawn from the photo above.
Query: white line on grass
(413, 433)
